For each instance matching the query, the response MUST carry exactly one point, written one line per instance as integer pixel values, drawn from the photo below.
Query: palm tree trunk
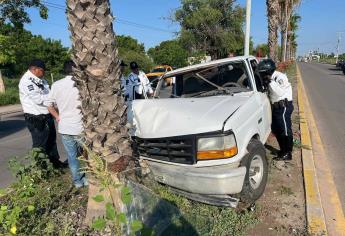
(2, 84)
(97, 77)
(272, 14)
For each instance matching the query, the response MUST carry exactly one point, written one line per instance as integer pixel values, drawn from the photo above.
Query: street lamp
(247, 35)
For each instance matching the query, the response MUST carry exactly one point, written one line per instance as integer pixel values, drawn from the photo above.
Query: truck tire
(257, 170)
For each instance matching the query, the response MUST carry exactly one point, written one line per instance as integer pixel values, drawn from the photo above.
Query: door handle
(260, 120)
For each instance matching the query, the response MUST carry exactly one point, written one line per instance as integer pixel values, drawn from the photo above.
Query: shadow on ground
(273, 150)
(9, 127)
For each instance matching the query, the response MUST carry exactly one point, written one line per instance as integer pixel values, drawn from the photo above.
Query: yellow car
(157, 72)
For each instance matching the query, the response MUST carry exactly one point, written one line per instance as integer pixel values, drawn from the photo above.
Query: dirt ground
(281, 210)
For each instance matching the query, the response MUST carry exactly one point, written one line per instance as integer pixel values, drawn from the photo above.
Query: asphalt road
(15, 140)
(325, 88)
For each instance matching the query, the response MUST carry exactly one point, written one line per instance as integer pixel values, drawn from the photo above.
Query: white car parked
(204, 136)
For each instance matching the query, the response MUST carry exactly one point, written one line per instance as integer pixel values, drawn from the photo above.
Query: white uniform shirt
(66, 97)
(279, 88)
(139, 84)
(124, 84)
(33, 91)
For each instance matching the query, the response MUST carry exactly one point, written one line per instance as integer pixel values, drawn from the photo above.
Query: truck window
(232, 76)
(258, 80)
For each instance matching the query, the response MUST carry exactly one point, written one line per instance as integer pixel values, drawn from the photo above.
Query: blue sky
(321, 20)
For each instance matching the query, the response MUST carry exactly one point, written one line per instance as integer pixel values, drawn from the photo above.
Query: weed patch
(42, 201)
(202, 219)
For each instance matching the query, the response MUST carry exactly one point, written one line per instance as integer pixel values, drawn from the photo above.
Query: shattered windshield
(222, 79)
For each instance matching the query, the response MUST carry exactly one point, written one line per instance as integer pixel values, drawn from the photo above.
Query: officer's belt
(40, 117)
(281, 104)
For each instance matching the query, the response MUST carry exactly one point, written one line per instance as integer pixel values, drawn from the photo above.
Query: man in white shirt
(280, 95)
(139, 86)
(33, 91)
(65, 96)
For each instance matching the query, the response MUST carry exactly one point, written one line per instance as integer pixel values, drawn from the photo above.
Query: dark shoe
(59, 164)
(286, 157)
(283, 156)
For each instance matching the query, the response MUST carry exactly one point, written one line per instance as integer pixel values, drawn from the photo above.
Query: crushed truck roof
(205, 65)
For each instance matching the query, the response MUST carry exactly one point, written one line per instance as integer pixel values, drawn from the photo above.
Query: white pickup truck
(204, 136)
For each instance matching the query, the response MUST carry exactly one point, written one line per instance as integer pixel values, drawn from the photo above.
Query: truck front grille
(175, 149)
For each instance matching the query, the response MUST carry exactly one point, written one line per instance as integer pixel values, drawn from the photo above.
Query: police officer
(123, 79)
(33, 91)
(139, 86)
(280, 95)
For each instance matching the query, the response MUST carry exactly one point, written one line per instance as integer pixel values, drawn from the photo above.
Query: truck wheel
(257, 170)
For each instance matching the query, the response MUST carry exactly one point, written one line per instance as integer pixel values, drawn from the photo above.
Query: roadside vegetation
(202, 219)
(42, 201)
(11, 95)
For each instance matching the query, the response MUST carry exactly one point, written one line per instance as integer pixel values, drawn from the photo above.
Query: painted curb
(316, 222)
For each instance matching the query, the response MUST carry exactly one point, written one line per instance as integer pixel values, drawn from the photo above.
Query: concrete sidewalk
(9, 109)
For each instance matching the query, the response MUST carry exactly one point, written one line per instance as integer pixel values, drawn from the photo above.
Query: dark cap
(266, 66)
(123, 63)
(133, 65)
(38, 63)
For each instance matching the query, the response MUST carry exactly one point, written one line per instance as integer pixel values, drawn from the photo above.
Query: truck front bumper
(211, 180)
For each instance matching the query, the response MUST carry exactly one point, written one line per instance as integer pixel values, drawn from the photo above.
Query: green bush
(41, 201)
(11, 96)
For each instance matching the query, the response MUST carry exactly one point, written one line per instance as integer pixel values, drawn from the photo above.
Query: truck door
(265, 118)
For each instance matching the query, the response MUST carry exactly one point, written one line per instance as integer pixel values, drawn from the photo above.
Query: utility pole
(338, 45)
(247, 35)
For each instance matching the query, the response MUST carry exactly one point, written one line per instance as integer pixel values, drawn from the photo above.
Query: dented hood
(155, 118)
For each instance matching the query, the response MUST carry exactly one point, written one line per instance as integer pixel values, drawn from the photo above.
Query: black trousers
(43, 133)
(282, 126)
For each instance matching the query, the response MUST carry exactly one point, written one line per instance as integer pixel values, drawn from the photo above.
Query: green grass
(11, 95)
(42, 201)
(328, 60)
(285, 191)
(202, 219)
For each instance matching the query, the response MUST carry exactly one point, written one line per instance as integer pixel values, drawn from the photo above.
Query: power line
(118, 20)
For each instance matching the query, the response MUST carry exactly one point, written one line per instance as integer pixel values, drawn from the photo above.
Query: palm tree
(273, 22)
(2, 84)
(292, 36)
(97, 77)
(287, 7)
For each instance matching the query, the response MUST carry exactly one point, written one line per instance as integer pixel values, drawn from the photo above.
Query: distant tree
(142, 59)
(14, 11)
(130, 49)
(214, 27)
(19, 47)
(342, 56)
(169, 53)
(262, 50)
(128, 43)
(6, 50)
(287, 8)
(292, 36)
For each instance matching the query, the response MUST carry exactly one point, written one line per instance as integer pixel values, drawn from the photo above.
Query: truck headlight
(210, 148)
